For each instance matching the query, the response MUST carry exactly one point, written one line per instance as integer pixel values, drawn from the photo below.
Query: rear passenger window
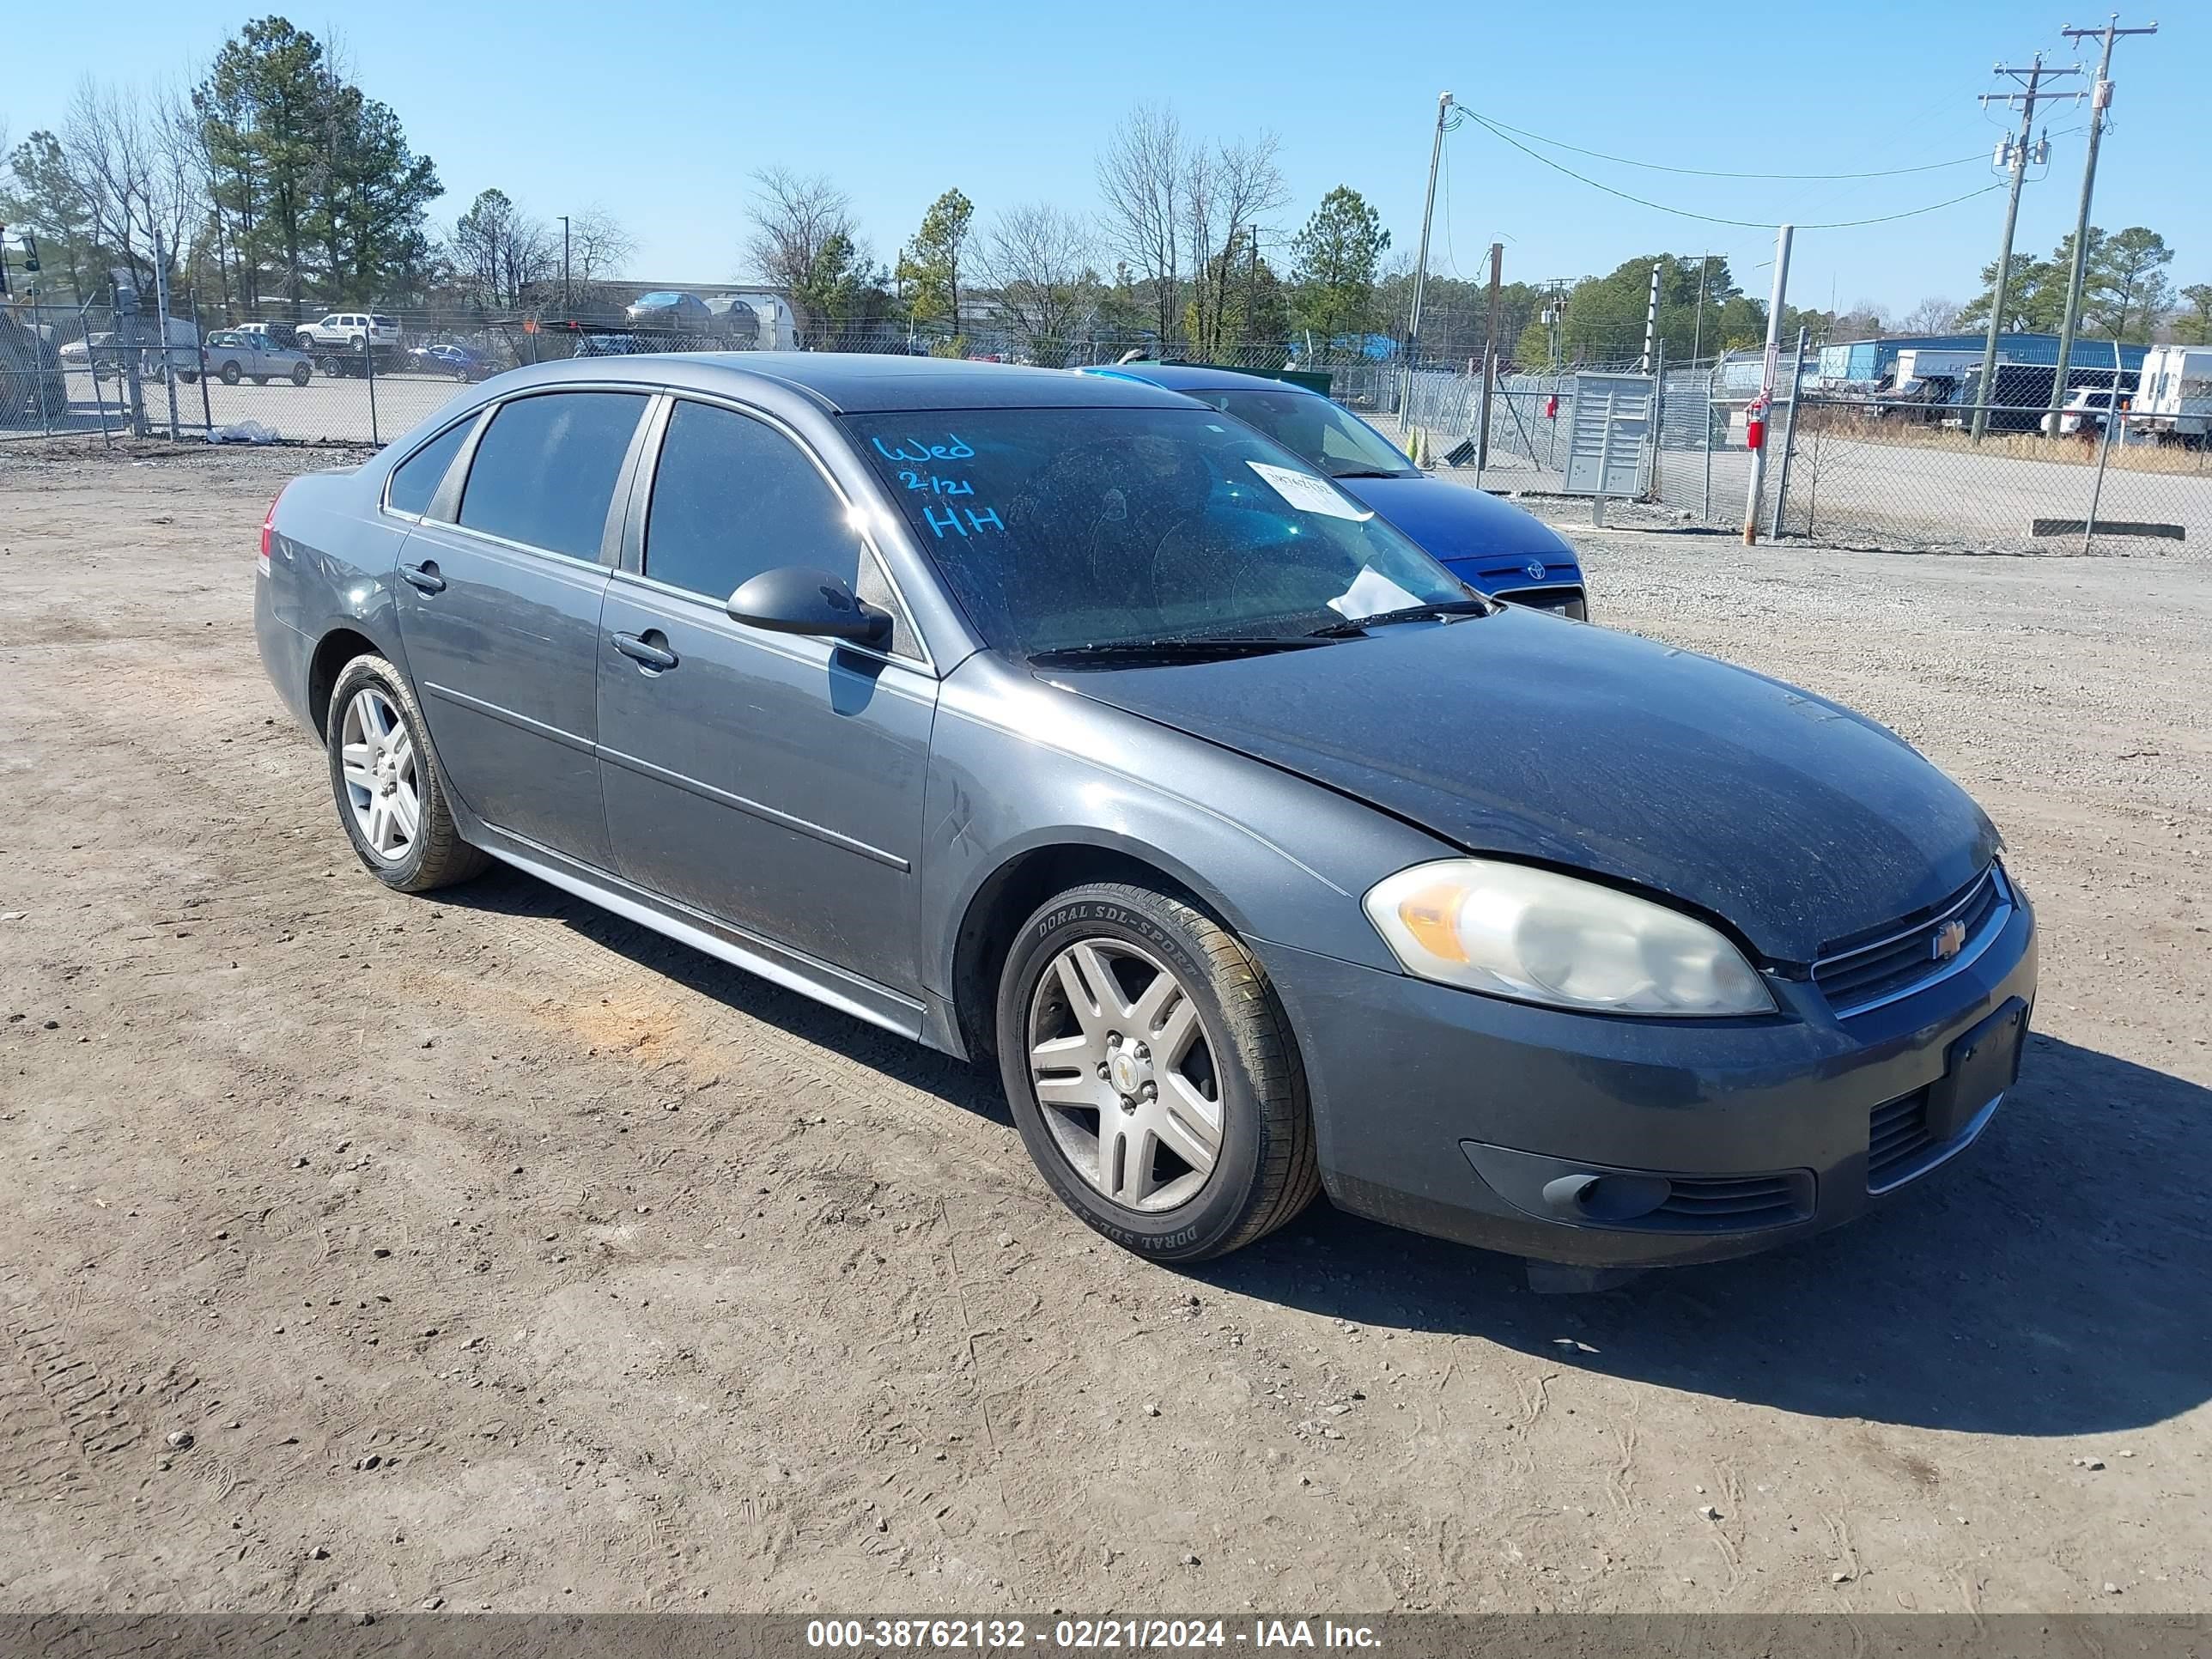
(415, 482)
(544, 472)
(733, 497)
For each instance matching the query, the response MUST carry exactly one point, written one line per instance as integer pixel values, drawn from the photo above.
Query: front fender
(1017, 765)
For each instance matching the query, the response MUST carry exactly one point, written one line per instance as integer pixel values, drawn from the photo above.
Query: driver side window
(732, 497)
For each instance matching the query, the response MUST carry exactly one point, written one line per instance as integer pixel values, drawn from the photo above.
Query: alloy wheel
(1124, 1077)
(376, 755)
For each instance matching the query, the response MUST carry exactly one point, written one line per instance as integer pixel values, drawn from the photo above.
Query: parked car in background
(461, 362)
(81, 354)
(284, 336)
(667, 311)
(608, 345)
(350, 331)
(1062, 723)
(1489, 543)
(2083, 416)
(232, 355)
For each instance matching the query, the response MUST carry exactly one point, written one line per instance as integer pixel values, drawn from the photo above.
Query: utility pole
(1698, 324)
(567, 309)
(1650, 323)
(1421, 264)
(2015, 154)
(1489, 356)
(1782, 237)
(1554, 313)
(2101, 100)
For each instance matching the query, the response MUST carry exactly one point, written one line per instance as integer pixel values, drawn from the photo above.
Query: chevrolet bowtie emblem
(1950, 939)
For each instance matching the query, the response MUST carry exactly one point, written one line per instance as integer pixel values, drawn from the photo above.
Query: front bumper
(1473, 1118)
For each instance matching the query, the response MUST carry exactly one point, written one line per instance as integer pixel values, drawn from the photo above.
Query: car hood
(1470, 530)
(1787, 817)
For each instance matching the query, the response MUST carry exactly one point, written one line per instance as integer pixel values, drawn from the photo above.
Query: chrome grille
(1902, 961)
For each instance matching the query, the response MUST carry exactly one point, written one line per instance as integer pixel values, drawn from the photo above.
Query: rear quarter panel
(331, 560)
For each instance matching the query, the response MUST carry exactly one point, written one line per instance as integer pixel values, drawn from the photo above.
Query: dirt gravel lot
(485, 1251)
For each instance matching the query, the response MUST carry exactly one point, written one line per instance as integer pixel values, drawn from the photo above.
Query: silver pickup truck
(234, 354)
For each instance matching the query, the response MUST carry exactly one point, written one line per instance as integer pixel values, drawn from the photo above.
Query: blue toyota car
(1492, 545)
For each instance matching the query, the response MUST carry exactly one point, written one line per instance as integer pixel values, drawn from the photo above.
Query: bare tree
(1226, 192)
(1039, 259)
(599, 244)
(795, 220)
(1933, 315)
(1142, 176)
(132, 179)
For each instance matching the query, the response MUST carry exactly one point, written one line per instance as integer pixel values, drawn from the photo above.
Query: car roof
(1195, 377)
(849, 383)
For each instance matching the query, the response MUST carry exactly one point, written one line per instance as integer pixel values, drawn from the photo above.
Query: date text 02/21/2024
(1081, 1635)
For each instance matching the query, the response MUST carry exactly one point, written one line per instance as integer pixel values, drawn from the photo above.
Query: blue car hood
(1787, 817)
(1470, 530)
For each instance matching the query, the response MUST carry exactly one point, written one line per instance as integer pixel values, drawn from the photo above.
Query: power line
(1709, 173)
(1715, 219)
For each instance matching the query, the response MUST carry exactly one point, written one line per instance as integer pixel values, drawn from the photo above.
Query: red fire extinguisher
(1754, 425)
(1552, 407)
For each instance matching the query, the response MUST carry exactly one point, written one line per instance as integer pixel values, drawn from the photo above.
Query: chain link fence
(1891, 463)
(2126, 461)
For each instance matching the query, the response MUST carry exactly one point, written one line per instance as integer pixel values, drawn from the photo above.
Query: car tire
(189, 377)
(1232, 1093)
(331, 366)
(372, 711)
(261, 380)
(354, 343)
(230, 374)
(300, 374)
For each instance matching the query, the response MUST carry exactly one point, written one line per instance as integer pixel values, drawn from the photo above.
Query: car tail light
(269, 530)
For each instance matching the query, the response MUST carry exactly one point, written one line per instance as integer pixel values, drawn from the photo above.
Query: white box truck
(2173, 403)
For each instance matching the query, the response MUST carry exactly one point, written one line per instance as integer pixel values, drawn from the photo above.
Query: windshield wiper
(1199, 648)
(1372, 472)
(1441, 608)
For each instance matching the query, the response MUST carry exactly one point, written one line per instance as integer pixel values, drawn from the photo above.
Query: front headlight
(1535, 936)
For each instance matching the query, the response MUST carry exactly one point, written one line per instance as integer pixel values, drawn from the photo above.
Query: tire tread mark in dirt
(59, 1417)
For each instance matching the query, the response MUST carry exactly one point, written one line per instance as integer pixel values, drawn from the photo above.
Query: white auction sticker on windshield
(1309, 494)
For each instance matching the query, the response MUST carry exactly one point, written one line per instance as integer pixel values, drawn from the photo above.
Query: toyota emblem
(1535, 569)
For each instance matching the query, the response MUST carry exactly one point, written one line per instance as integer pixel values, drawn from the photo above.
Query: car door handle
(425, 576)
(642, 649)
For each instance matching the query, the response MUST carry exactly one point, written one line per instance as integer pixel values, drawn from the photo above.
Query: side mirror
(793, 599)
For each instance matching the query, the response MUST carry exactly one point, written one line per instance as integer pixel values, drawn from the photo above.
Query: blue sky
(660, 112)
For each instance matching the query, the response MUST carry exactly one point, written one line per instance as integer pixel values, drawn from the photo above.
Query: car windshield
(1339, 443)
(1062, 529)
(227, 339)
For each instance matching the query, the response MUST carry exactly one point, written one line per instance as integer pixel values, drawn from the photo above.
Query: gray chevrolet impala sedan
(1068, 723)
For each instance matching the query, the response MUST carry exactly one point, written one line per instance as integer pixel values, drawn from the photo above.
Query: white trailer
(2174, 399)
(1927, 362)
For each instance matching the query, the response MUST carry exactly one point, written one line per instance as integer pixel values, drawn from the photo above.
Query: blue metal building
(1871, 360)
